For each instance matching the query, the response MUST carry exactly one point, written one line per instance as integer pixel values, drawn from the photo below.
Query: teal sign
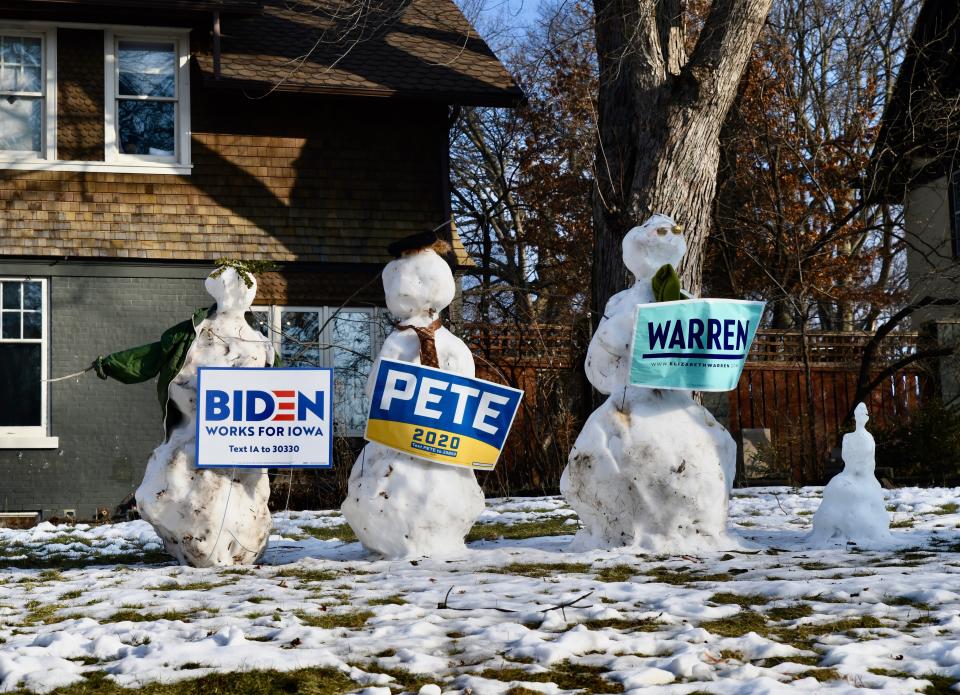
(698, 344)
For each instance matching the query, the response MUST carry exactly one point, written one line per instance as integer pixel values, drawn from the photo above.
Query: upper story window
(144, 100)
(22, 93)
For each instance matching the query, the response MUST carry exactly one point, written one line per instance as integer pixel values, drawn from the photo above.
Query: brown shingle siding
(80, 95)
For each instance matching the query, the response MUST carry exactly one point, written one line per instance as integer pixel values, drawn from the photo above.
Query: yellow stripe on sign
(434, 445)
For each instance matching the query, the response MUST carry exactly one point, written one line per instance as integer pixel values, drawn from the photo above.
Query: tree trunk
(659, 119)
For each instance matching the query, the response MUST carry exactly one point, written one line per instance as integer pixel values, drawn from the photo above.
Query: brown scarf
(428, 344)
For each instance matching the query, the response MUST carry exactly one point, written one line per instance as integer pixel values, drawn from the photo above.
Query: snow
(653, 622)
(651, 469)
(208, 516)
(400, 506)
(852, 508)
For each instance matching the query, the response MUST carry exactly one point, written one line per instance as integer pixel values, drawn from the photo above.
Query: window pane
(32, 296)
(147, 69)
(19, 385)
(30, 80)
(146, 127)
(10, 325)
(300, 339)
(261, 322)
(11, 294)
(32, 325)
(20, 122)
(352, 333)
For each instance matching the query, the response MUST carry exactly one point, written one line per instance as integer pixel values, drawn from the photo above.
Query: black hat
(414, 242)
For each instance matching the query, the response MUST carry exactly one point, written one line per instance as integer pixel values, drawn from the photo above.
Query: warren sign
(439, 416)
(264, 417)
(699, 344)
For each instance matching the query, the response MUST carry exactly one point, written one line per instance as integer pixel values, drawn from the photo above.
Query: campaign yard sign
(439, 416)
(699, 344)
(264, 417)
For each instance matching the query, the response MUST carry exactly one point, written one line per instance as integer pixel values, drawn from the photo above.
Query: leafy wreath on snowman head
(245, 269)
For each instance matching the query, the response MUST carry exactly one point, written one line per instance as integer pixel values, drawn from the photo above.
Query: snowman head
(860, 415)
(655, 243)
(230, 291)
(419, 283)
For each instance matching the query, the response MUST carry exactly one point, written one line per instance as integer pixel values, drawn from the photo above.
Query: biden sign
(264, 418)
(439, 416)
(699, 344)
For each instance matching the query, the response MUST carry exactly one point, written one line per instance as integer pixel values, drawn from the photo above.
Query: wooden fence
(801, 388)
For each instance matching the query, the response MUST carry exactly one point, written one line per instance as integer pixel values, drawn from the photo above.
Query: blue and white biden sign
(439, 416)
(699, 344)
(264, 418)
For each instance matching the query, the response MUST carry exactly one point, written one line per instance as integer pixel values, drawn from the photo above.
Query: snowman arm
(144, 362)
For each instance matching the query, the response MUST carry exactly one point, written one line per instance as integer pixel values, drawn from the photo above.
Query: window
(22, 91)
(347, 339)
(146, 119)
(23, 361)
(146, 98)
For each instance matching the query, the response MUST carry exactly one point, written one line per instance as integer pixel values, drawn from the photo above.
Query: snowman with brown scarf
(400, 506)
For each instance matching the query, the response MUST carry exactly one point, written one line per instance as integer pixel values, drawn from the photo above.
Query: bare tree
(662, 100)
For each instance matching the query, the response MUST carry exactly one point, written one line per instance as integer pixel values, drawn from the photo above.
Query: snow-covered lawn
(88, 609)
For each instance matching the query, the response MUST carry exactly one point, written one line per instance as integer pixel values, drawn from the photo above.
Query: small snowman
(205, 517)
(400, 506)
(853, 509)
(651, 469)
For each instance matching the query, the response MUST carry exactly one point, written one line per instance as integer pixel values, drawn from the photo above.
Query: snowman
(651, 469)
(205, 517)
(853, 509)
(400, 506)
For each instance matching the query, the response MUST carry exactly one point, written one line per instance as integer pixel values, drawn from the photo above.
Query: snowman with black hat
(400, 506)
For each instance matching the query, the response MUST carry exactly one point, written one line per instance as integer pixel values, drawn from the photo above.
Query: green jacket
(162, 359)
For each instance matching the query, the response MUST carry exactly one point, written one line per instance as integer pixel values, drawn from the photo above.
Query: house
(916, 164)
(140, 140)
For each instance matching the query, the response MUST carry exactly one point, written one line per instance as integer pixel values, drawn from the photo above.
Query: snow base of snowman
(651, 470)
(209, 517)
(400, 506)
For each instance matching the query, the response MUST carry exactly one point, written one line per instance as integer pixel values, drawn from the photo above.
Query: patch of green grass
(330, 621)
(744, 600)
(904, 601)
(62, 562)
(793, 612)
(136, 615)
(70, 595)
(257, 599)
(237, 570)
(395, 600)
(312, 681)
(39, 612)
(625, 624)
(902, 523)
(617, 573)
(737, 625)
(305, 575)
(777, 660)
(565, 675)
(190, 586)
(815, 566)
(551, 526)
(821, 674)
(341, 532)
(939, 685)
(948, 508)
(410, 682)
(683, 575)
(540, 569)
(803, 636)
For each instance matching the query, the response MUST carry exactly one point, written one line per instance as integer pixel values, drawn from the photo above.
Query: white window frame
(34, 437)
(274, 312)
(114, 161)
(181, 99)
(48, 68)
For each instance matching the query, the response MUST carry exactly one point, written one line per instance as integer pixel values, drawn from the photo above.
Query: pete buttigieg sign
(698, 344)
(264, 417)
(439, 416)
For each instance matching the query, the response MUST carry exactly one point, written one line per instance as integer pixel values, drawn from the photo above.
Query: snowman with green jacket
(651, 469)
(205, 517)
